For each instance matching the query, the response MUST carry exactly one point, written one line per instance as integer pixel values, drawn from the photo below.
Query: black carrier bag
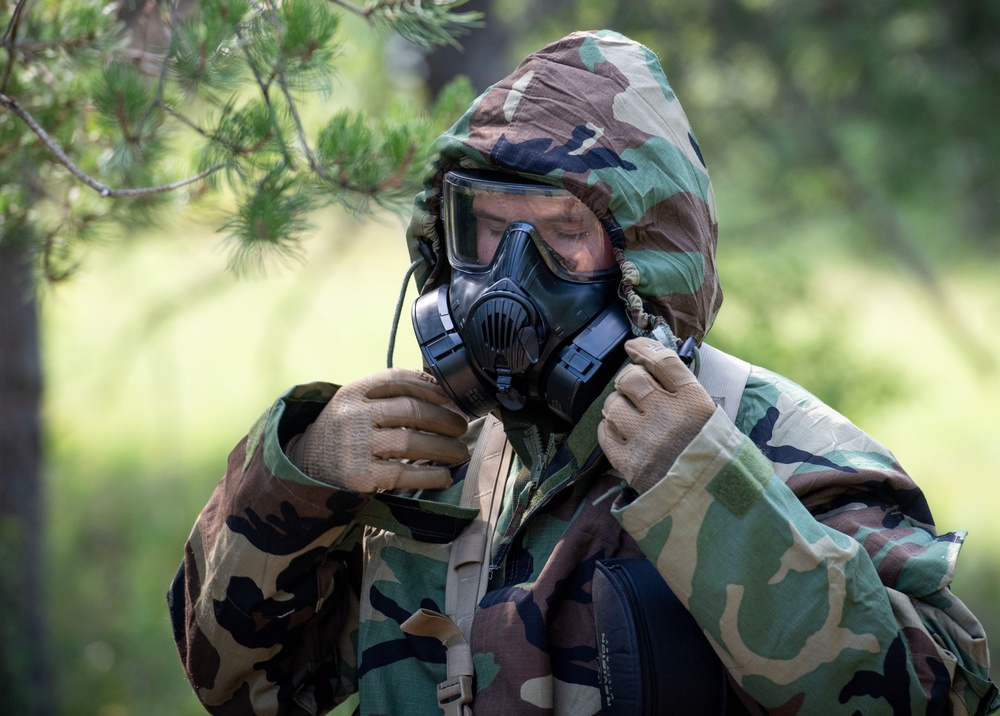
(652, 656)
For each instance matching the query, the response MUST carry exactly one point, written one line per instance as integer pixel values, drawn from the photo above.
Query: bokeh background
(854, 152)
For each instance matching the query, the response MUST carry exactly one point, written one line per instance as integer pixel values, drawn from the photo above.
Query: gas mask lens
(479, 206)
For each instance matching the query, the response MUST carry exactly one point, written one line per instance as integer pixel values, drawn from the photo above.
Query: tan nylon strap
(426, 622)
(455, 693)
(471, 551)
(723, 377)
(467, 576)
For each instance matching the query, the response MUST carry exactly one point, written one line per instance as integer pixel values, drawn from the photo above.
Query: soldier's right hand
(363, 435)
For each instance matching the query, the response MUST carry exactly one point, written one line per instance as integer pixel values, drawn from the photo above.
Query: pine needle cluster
(88, 100)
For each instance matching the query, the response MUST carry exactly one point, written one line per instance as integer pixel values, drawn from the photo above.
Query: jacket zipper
(498, 557)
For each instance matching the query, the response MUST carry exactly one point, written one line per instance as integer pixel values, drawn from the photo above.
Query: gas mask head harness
(531, 316)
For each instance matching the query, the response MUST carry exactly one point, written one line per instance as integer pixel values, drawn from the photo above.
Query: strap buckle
(454, 695)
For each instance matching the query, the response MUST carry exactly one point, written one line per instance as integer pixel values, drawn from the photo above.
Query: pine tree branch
(190, 124)
(265, 91)
(279, 72)
(265, 87)
(300, 129)
(425, 24)
(361, 12)
(33, 47)
(49, 269)
(15, 18)
(102, 189)
(164, 65)
(9, 42)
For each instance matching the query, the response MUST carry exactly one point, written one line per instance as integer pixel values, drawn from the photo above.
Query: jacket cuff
(705, 457)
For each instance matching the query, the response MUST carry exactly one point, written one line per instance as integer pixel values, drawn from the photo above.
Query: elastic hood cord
(645, 323)
(399, 308)
(642, 322)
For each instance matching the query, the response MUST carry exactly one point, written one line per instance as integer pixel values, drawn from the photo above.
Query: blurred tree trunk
(24, 662)
(482, 58)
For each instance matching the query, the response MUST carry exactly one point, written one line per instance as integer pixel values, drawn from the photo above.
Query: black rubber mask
(531, 316)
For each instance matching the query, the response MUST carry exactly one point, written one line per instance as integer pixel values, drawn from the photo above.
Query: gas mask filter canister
(531, 314)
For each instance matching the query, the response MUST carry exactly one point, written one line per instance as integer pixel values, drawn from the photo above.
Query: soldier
(355, 558)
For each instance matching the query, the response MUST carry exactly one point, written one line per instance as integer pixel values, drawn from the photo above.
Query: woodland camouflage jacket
(806, 554)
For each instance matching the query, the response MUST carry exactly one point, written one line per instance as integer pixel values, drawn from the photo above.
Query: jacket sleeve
(811, 562)
(264, 606)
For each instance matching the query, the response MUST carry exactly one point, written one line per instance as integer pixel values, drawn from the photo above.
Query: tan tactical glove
(657, 408)
(361, 436)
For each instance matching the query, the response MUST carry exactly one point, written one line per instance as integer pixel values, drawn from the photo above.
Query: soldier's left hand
(657, 408)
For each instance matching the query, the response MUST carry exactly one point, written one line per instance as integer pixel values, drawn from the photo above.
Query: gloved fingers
(604, 441)
(389, 443)
(608, 436)
(614, 444)
(409, 412)
(662, 363)
(635, 383)
(398, 382)
(620, 415)
(420, 477)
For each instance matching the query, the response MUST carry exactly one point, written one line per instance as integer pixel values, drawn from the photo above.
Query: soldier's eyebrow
(488, 215)
(571, 211)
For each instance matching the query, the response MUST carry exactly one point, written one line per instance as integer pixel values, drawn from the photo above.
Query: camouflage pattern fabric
(801, 547)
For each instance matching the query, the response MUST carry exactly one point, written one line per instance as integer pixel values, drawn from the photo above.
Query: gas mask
(531, 315)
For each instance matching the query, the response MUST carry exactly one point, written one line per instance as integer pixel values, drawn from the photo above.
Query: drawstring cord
(643, 323)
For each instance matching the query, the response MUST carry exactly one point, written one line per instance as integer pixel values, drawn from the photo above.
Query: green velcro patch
(742, 481)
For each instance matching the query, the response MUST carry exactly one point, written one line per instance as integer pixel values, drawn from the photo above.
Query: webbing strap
(471, 551)
(467, 573)
(454, 694)
(723, 377)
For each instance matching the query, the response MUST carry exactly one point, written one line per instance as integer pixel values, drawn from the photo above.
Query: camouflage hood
(594, 113)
